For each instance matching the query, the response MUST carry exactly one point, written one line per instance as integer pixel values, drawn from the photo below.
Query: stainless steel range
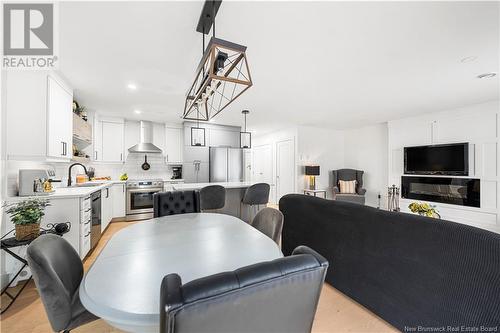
(140, 198)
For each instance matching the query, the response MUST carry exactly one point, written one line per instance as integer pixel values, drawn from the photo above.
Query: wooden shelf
(80, 159)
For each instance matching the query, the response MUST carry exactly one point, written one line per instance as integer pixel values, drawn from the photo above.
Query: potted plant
(424, 209)
(26, 216)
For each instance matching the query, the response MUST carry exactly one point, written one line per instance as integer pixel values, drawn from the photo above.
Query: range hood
(145, 146)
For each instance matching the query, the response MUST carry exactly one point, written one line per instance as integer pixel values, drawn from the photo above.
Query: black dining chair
(269, 221)
(58, 272)
(255, 195)
(212, 197)
(175, 202)
(275, 296)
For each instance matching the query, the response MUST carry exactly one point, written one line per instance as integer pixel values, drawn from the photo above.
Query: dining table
(122, 286)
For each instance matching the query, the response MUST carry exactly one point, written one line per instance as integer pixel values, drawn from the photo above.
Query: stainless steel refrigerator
(226, 164)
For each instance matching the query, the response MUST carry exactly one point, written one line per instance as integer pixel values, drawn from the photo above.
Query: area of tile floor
(336, 312)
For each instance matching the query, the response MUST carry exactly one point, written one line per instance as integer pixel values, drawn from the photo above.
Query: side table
(315, 192)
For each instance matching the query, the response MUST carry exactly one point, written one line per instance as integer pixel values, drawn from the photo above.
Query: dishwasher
(95, 231)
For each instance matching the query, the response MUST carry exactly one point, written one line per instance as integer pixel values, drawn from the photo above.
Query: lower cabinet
(118, 200)
(106, 207)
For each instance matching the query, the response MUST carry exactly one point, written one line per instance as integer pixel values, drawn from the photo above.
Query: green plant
(27, 212)
(424, 209)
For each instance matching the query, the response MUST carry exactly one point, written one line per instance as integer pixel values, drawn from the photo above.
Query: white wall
(323, 147)
(366, 149)
(476, 124)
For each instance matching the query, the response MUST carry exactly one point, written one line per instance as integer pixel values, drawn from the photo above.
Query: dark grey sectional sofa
(410, 270)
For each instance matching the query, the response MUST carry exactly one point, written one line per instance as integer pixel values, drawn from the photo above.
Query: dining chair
(58, 272)
(255, 195)
(175, 202)
(212, 197)
(269, 221)
(275, 296)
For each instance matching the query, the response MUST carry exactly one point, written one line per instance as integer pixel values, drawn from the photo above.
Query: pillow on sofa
(347, 186)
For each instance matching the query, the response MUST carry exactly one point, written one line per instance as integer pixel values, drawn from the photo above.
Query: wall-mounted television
(447, 159)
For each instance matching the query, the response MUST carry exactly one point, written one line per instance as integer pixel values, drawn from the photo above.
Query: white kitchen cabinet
(59, 119)
(221, 137)
(106, 207)
(38, 106)
(118, 200)
(173, 145)
(112, 142)
(109, 139)
(159, 136)
(85, 225)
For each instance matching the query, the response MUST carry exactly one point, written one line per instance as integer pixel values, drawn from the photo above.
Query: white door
(59, 120)
(262, 164)
(247, 165)
(173, 148)
(285, 168)
(112, 142)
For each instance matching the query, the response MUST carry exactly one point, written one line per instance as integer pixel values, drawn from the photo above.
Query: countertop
(75, 192)
(197, 186)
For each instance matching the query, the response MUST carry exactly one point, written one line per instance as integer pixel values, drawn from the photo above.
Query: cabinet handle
(121, 156)
(95, 153)
(62, 144)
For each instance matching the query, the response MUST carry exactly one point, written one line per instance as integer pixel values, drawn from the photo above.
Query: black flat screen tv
(447, 159)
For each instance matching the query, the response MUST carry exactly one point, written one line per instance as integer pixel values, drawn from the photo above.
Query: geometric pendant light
(245, 137)
(221, 76)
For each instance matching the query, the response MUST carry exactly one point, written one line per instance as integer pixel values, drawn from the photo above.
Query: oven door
(140, 200)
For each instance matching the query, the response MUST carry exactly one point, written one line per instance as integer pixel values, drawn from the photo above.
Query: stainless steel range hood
(146, 145)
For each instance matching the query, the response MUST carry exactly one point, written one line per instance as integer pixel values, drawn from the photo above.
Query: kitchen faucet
(69, 171)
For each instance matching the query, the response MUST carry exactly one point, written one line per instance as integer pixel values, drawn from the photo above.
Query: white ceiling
(327, 64)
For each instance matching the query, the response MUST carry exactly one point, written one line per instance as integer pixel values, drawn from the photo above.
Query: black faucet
(69, 171)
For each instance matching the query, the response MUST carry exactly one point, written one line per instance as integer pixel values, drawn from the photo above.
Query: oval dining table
(123, 285)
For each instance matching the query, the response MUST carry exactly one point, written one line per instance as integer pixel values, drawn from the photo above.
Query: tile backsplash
(132, 166)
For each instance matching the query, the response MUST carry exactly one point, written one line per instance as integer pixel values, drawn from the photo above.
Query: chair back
(257, 194)
(212, 197)
(269, 221)
(275, 296)
(348, 174)
(58, 272)
(175, 202)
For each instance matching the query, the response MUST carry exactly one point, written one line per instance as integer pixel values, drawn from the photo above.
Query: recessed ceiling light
(132, 86)
(468, 59)
(486, 75)
(138, 111)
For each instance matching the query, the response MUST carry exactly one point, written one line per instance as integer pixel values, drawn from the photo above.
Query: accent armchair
(347, 175)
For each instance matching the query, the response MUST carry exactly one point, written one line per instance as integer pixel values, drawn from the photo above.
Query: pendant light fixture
(198, 135)
(222, 74)
(245, 137)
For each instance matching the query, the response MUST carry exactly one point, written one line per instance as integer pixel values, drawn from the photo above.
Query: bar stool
(212, 197)
(255, 195)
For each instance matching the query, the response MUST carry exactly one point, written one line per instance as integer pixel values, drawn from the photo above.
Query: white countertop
(75, 192)
(172, 180)
(197, 186)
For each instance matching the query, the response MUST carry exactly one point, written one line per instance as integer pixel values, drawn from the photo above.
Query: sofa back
(410, 270)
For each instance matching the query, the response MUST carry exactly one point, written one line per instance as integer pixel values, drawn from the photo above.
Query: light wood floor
(336, 312)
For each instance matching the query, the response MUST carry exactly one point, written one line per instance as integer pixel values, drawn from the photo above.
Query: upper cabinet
(221, 137)
(39, 113)
(109, 138)
(59, 119)
(173, 144)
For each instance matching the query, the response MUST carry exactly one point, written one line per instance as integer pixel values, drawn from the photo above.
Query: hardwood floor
(336, 312)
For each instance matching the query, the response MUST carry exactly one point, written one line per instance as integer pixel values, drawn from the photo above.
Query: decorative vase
(27, 231)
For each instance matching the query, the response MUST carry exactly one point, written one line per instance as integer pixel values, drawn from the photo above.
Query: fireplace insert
(449, 190)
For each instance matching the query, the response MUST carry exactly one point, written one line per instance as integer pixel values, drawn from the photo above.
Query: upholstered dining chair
(255, 195)
(58, 272)
(212, 197)
(348, 175)
(275, 296)
(175, 202)
(269, 221)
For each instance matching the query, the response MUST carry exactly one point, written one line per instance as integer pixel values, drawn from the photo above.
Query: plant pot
(27, 231)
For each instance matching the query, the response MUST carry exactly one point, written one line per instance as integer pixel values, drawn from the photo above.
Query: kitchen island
(234, 193)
